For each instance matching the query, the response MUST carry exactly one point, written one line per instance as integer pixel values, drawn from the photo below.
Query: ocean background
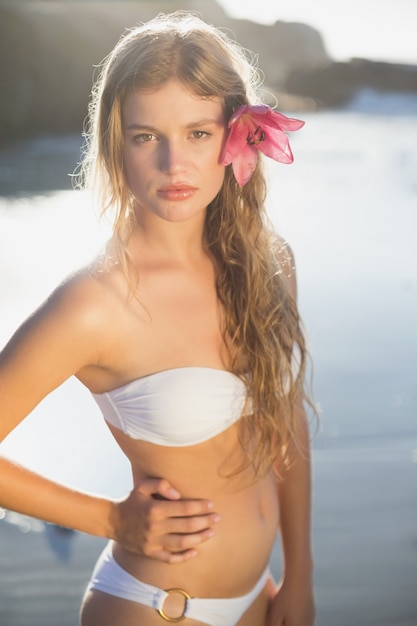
(348, 208)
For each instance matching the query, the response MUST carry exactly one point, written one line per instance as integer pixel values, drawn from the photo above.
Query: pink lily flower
(254, 128)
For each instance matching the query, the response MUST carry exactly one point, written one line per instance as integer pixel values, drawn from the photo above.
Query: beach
(348, 209)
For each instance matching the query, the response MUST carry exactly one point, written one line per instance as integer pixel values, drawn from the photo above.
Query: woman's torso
(177, 324)
(235, 557)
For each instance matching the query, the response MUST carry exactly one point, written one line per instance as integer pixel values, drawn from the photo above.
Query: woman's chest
(172, 325)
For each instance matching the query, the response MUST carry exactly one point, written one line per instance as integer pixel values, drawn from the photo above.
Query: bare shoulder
(82, 298)
(286, 262)
(69, 333)
(73, 329)
(75, 304)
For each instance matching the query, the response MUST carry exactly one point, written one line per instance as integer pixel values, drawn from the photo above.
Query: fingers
(178, 528)
(155, 521)
(170, 509)
(180, 548)
(166, 504)
(160, 486)
(180, 542)
(192, 525)
(174, 557)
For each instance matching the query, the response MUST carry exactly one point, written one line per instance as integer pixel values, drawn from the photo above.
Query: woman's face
(173, 141)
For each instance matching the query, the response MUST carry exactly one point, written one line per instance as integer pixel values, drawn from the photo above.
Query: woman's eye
(200, 134)
(144, 137)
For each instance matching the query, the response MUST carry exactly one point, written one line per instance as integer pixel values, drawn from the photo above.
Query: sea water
(348, 208)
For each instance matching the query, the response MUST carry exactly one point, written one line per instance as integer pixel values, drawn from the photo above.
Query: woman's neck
(178, 242)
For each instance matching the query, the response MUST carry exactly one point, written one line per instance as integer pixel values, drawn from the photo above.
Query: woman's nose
(173, 156)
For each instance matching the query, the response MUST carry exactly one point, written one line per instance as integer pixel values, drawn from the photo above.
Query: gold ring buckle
(182, 616)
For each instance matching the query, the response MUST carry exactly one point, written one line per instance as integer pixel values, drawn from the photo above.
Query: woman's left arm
(293, 601)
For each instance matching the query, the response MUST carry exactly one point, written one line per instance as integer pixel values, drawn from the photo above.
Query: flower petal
(237, 114)
(244, 165)
(276, 146)
(236, 142)
(275, 120)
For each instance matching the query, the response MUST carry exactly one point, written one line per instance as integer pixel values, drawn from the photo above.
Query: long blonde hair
(262, 325)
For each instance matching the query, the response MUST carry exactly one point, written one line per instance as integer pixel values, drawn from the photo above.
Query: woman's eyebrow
(136, 126)
(202, 122)
(205, 122)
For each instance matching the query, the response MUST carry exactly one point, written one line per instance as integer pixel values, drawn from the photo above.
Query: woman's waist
(216, 461)
(230, 562)
(234, 497)
(222, 571)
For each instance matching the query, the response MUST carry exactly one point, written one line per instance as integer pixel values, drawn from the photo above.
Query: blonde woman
(186, 332)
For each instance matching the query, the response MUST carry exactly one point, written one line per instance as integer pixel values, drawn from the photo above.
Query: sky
(380, 30)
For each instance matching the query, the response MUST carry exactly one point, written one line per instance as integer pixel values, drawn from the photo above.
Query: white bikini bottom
(110, 578)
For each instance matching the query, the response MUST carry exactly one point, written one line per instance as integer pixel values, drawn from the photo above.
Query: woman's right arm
(54, 343)
(63, 337)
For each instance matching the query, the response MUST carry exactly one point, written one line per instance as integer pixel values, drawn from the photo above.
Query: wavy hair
(262, 328)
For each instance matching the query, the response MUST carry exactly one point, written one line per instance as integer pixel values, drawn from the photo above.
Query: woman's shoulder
(70, 331)
(286, 262)
(87, 294)
(284, 254)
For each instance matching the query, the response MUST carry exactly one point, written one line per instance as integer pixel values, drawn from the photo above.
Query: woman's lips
(176, 192)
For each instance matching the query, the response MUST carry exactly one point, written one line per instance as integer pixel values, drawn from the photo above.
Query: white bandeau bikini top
(175, 407)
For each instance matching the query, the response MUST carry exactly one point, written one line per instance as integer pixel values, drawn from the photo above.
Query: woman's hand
(154, 521)
(292, 604)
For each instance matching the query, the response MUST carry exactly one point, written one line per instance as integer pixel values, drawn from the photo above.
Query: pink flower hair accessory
(252, 128)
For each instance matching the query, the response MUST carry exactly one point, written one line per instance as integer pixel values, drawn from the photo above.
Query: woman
(187, 334)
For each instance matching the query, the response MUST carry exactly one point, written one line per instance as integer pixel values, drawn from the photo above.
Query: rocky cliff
(49, 50)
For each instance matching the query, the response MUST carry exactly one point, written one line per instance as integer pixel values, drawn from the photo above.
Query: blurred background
(347, 206)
